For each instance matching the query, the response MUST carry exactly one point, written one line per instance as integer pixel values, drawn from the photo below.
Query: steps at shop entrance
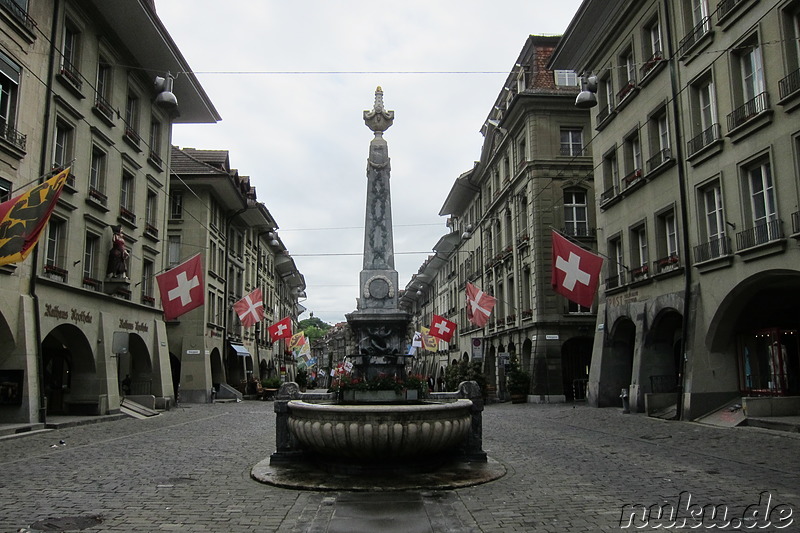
(729, 415)
(136, 410)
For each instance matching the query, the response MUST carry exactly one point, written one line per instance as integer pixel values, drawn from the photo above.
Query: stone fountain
(358, 436)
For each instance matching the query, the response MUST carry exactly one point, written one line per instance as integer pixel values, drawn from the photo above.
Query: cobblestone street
(568, 469)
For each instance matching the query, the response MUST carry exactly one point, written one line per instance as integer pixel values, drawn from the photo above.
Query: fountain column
(379, 326)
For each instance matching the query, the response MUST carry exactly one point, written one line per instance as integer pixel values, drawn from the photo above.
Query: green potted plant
(518, 381)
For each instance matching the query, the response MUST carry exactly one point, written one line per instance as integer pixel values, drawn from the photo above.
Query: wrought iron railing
(748, 110)
(759, 234)
(694, 35)
(659, 159)
(19, 13)
(13, 136)
(789, 84)
(717, 247)
(711, 134)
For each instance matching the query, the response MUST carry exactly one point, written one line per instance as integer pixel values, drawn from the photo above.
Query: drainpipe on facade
(687, 290)
(43, 168)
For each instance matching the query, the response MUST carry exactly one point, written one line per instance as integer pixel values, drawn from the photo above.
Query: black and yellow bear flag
(23, 218)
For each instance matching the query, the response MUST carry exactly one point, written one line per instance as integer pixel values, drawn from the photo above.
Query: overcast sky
(291, 79)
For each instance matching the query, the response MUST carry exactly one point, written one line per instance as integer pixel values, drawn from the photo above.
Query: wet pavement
(567, 469)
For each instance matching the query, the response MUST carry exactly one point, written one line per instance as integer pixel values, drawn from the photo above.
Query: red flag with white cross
(280, 330)
(576, 272)
(250, 309)
(181, 288)
(442, 328)
(479, 305)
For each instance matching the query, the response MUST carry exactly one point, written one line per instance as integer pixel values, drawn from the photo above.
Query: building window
(566, 78)
(791, 22)
(652, 47)
(749, 90)
(577, 309)
(173, 250)
(103, 89)
(576, 220)
(176, 204)
(715, 241)
(211, 307)
(639, 253)
(522, 156)
(91, 260)
(151, 213)
(10, 73)
(155, 141)
(5, 190)
(611, 183)
(659, 140)
(697, 23)
(667, 242)
(705, 128)
(616, 268)
(70, 54)
(148, 273)
(627, 74)
(571, 141)
(126, 197)
(132, 118)
(632, 151)
(761, 207)
(97, 175)
(55, 253)
(214, 215)
(605, 97)
(63, 146)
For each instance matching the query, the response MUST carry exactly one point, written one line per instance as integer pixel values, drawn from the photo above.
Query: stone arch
(217, 368)
(616, 368)
(175, 368)
(764, 306)
(69, 368)
(576, 359)
(661, 352)
(137, 365)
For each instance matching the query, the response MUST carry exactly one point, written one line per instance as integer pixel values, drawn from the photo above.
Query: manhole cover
(66, 523)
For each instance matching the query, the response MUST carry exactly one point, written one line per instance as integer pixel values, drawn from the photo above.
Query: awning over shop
(240, 350)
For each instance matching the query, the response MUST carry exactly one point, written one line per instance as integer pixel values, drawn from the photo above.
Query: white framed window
(173, 250)
(55, 253)
(91, 257)
(97, 170)
(10, 73)
(566, 78)
(63, 146)
(126, 195)
(176, 205)
(576, 218)
(571, 141)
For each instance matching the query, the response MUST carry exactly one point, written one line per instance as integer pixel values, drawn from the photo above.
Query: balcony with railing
(56, 273)
(650, 66)
(762, 233)
(103, 109)
(150, 231)
(12, 136)
(640, 273)
(132, 136)
(694, 36)
(727, 7)
(616, 281)
(666, 264)
(127, 215)
(713, 249)
(70, 73)
(19, 13)
(580, 230)
(627, 92)
(608, 196)
(661, 157)
(604, 114)
(707, 137)
(749, 110)
(97, 197)
(634, 177)
(789, 85)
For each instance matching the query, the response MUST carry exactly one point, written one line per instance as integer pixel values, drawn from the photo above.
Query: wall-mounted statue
(117, 256)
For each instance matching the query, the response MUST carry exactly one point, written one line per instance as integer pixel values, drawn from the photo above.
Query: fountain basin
(380, 432)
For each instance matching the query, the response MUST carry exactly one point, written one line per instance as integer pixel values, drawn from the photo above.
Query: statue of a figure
(118, 255)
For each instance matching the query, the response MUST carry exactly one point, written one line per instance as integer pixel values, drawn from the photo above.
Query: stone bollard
(472, 449)
(286, 446)
(626, 409)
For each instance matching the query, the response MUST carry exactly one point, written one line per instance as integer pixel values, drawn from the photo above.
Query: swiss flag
(442, 328)
(250, 308)
(181, 288)
(576, 272)
(280, 330)
(479, 305)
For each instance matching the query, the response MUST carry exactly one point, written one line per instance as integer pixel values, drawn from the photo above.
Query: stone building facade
(534, 175)
(696, 148)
